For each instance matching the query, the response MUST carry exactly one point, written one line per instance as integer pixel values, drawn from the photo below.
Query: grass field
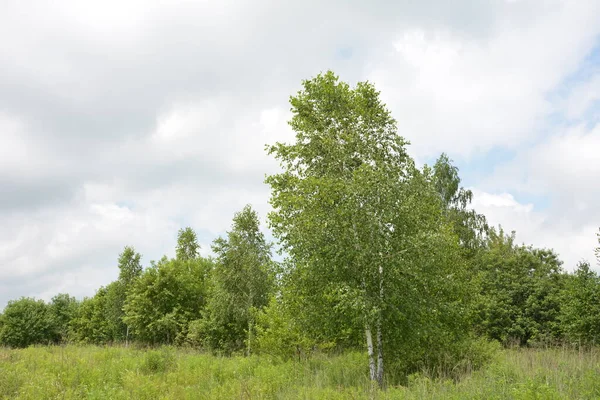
(74, 372)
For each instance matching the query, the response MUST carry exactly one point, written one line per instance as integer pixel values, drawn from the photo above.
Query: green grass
(74, 372)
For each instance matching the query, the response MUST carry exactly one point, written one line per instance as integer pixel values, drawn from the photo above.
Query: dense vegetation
(90, 372)
(381, 258)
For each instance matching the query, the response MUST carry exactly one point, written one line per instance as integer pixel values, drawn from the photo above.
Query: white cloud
(539, 228)
(564, 167)
(570, 161)
(582, 97)
(14, 149)
(19, 153)
(466, 94)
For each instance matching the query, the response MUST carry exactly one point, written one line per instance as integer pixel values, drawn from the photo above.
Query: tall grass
(74, 372)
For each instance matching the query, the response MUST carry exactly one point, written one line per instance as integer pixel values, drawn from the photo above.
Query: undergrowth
(86, 372)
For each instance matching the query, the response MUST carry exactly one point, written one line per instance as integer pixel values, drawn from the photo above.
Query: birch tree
(470, 226)
(243, 279)
(187, 245)
(130, 269)
(337, 202)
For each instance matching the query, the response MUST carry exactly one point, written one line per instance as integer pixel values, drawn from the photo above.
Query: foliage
(26, 321)
(470, 226)
(62, 309)
(581, 306)
(187, 245)
(336, 201)
(130, 266)
(166, 297)
(309, 314)
(243, 279)
(99, 319)
(130, 269)
(519, 292)
(279, 334)
(356, 216)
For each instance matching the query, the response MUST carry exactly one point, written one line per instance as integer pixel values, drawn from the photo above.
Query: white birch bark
(370, 352)
(379, 353)
(380, 333)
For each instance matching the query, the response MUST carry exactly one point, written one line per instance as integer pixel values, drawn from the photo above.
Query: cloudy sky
(123, 121)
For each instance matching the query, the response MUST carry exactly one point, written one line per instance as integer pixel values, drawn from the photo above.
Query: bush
(158, 361)
(25, 322)
(279, 335)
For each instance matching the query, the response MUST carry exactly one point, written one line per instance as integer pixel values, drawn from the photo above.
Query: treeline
(379, 255)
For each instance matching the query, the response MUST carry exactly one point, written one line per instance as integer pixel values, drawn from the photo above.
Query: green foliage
(113, 310)
(187, 245)
(166, 298)
(364, 229)
(337, 203)
(63, 309)
(280, 333)
(581, 306)
(428, 311)
(99, 319)
(130, 269)
(26, 321)
(309, 314)
(468, 225)
(243, 279)
(130, 266)
(519, 292)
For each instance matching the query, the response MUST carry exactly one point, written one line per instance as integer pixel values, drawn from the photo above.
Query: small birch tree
(243, 280)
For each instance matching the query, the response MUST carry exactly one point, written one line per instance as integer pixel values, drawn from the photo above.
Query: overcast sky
(123, 121)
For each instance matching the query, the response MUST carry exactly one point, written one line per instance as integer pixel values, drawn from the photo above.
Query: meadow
(88, 372)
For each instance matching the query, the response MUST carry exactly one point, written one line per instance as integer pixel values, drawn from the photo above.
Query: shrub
(158, 361)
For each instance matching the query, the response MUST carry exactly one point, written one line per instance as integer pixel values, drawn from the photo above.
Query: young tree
(166, 297)
(242, 283)
(187, 245)
(100, 318)
(130, 269)
(130, 266)
(519, 291)
(351, 209)
(580, 315)
(62, 308)
(90, 323)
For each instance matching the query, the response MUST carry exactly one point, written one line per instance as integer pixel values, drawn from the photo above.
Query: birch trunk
(250, 320)
(249, 335)
(370, 353)
(379, 353)
(379, 332)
